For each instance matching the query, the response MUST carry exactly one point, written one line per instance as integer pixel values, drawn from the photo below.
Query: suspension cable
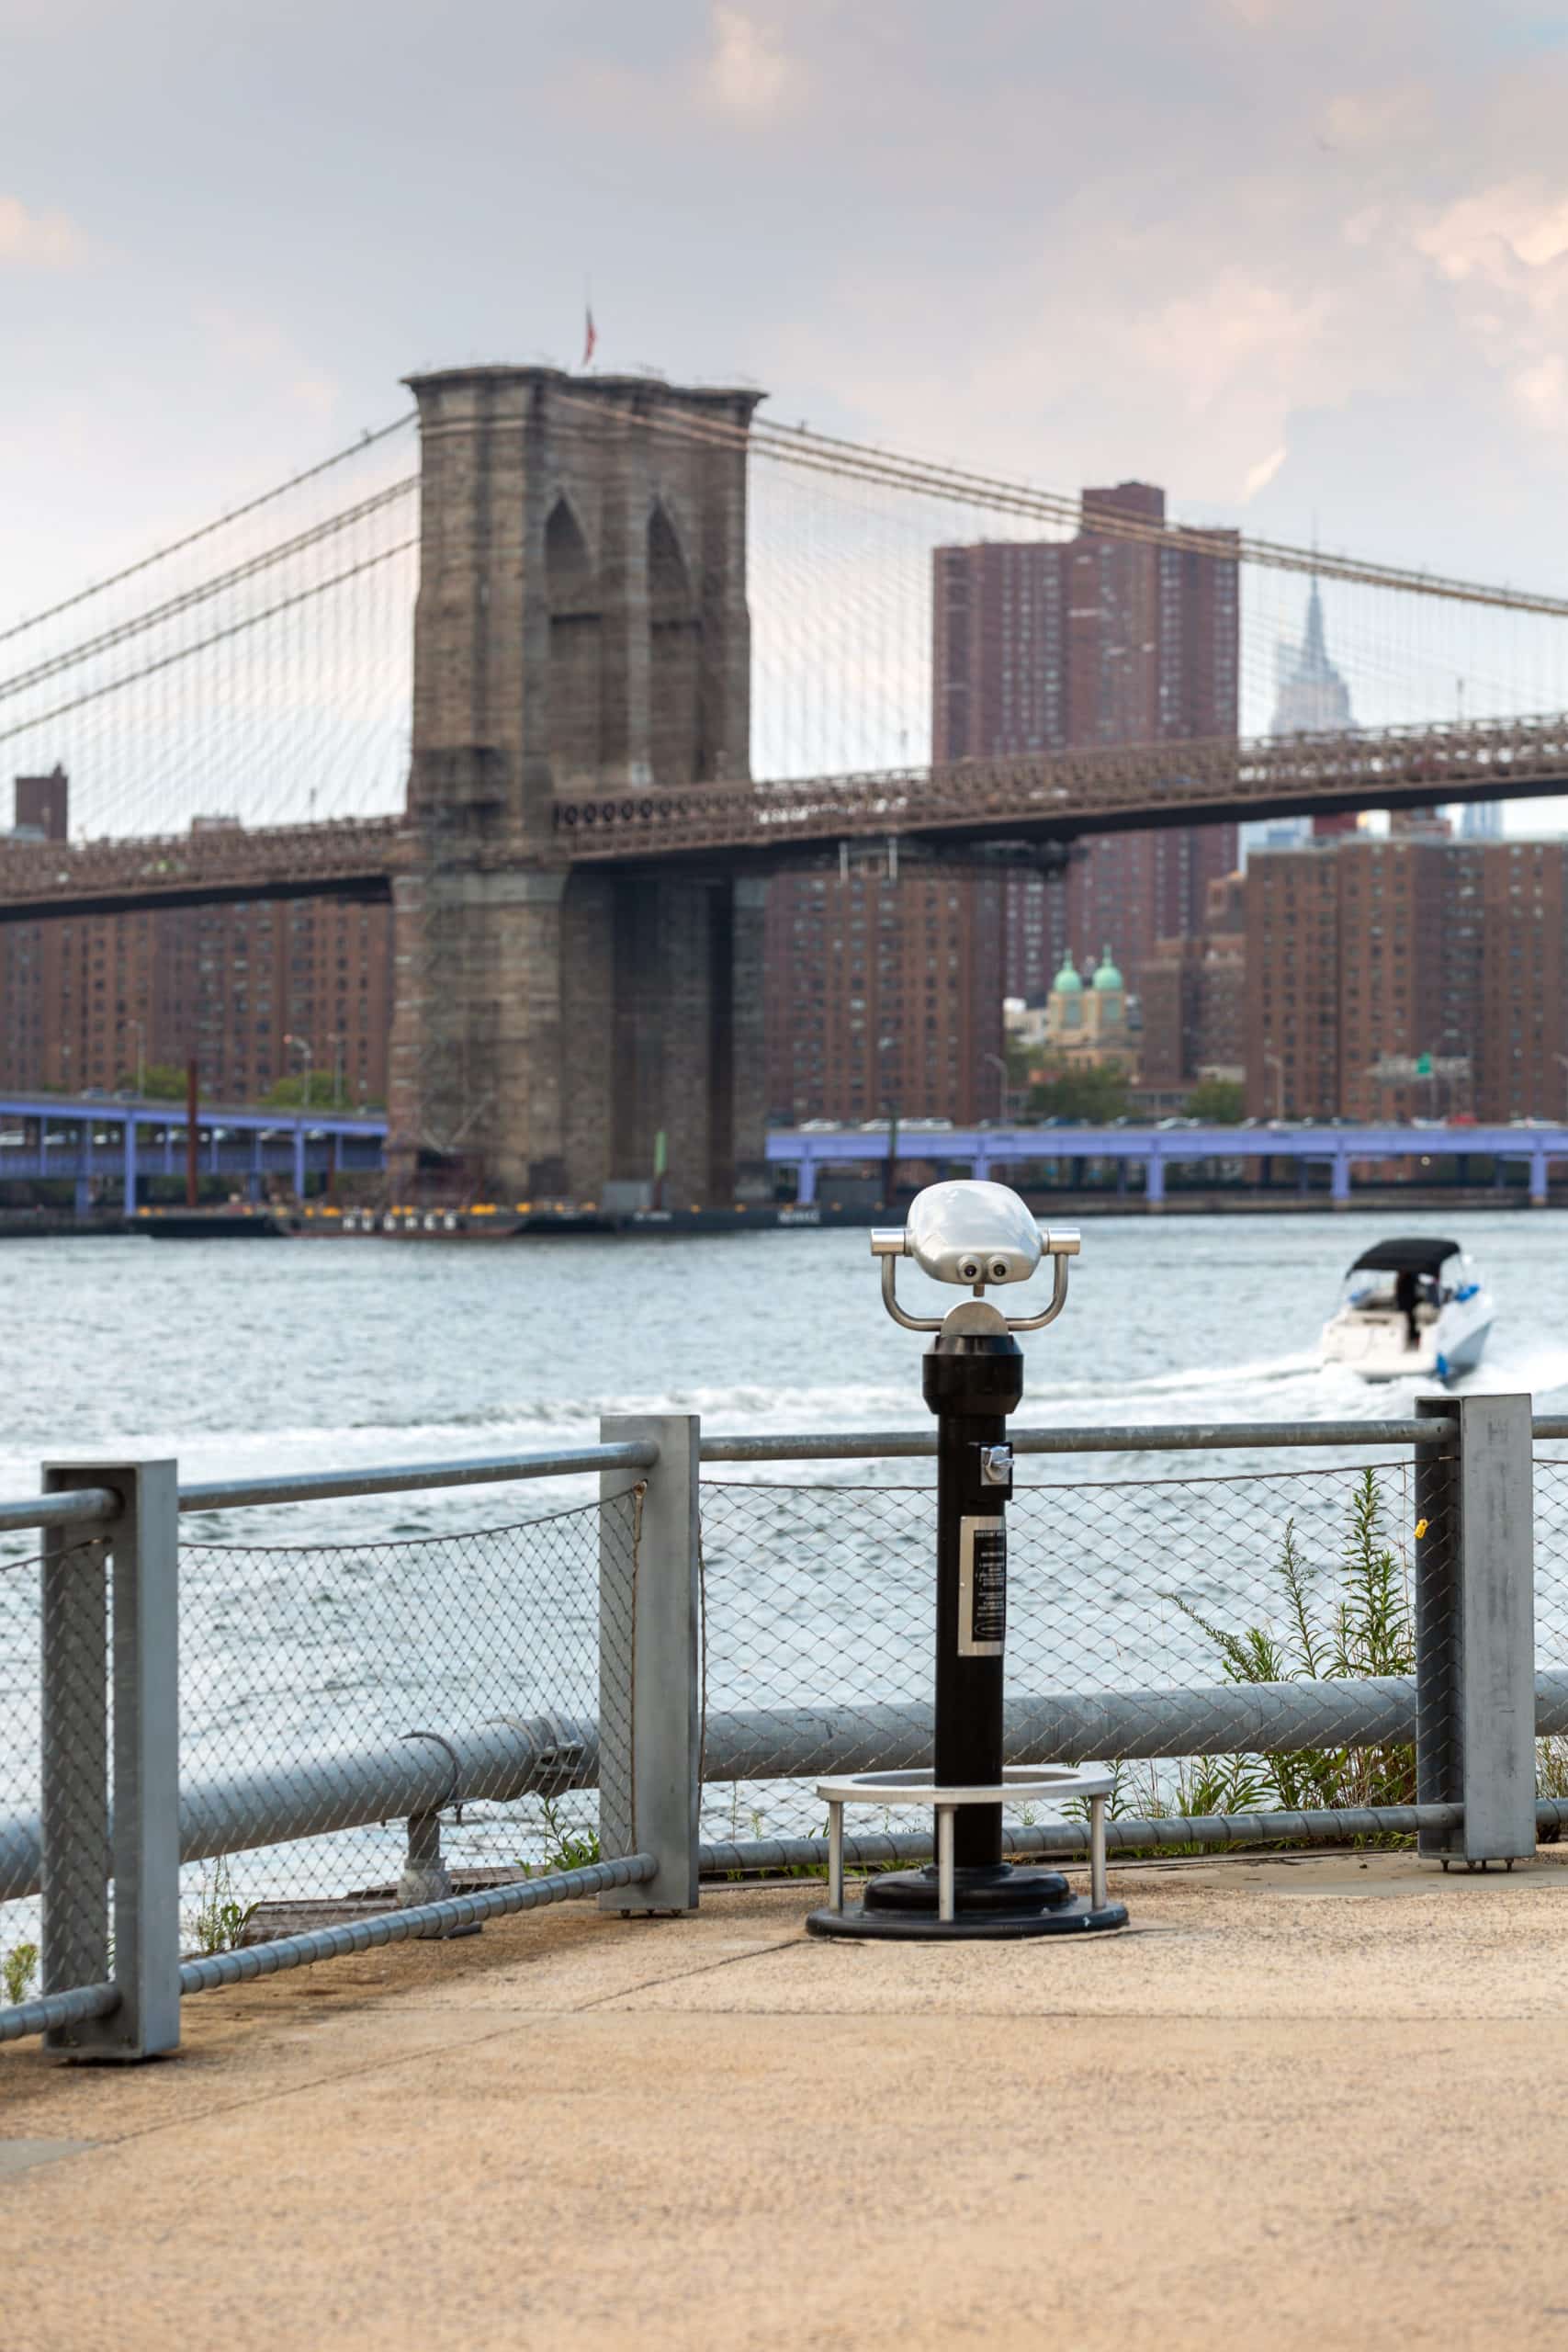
(219, 523)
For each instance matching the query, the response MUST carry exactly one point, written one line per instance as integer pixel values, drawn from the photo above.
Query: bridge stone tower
(581, 625)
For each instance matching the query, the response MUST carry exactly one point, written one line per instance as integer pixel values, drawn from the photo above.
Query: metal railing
(679, 1636)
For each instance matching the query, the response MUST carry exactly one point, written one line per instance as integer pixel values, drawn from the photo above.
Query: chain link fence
(363, 1726)
(1551, 1480)
(54, 1604)
(373, 1726)
(1551, 1558)
(462, 1668)
(818, 1597)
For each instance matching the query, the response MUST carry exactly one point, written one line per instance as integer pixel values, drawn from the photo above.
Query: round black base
(984, 1886)
(990, 1902)
(1070, 1918)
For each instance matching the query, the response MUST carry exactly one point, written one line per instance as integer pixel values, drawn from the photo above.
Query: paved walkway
(1305, 2104)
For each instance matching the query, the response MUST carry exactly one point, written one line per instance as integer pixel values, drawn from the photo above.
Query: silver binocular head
(972, 1233)
(976, 1234)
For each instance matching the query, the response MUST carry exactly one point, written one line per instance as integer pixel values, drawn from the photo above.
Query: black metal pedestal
(973, 1379)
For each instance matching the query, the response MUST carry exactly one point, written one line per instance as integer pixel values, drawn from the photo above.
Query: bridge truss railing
(1277, 1633)
(234, 861)
(1071, 791)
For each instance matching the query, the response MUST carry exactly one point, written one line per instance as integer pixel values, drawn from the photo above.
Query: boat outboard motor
(978, 1235)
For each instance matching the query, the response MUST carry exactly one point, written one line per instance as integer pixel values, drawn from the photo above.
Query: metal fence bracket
(1475, 1630)
(649, 1681)
(139, 1664)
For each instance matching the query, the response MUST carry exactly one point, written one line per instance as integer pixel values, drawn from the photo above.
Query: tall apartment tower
(885, 992)
(1104, 640)
(1371, 956)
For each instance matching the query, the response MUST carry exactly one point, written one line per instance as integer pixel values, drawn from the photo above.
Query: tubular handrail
(866, 1445)
(66, 1509)
(314, 1795)
(326, 1486)
(1152, 1438)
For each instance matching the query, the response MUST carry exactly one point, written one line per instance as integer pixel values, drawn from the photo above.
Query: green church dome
(1108, 976)
(1067, 977)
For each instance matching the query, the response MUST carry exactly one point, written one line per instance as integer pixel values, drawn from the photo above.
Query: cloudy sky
(1297, 259)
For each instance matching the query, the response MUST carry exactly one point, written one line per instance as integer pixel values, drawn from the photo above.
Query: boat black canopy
(1411, 1253)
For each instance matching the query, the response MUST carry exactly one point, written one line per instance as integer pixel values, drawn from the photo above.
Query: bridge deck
(1054, 796)
(1060, 795)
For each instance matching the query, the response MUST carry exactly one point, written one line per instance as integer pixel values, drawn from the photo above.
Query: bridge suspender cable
(823, 453)
(201, 644)
(205, 590)
(219, 523)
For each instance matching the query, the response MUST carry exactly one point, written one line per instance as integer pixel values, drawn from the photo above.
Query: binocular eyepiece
(996, 1269)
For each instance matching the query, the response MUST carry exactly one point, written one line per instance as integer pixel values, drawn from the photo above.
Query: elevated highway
(994, 1151)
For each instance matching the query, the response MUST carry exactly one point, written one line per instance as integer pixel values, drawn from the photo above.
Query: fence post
(1475, 1629)
(650, 1682)
(140, 1664)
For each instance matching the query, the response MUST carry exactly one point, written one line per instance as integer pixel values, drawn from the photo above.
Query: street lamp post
(336, 1042)
(999, 1066)
(303, 1045)
(883, 1047)
(1273, 1062)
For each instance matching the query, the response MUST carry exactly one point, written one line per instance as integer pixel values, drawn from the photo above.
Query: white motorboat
(1413, 1308)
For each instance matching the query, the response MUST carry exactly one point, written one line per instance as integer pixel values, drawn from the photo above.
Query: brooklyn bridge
(578, 849)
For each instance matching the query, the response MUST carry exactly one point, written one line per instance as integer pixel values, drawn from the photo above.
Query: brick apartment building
(1194, 999)
(1098, 639)
(83, 997)
(884, 991)
(1366, 952)
(1035, 646)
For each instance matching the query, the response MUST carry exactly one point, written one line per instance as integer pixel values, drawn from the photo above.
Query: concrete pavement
(1310, 2103)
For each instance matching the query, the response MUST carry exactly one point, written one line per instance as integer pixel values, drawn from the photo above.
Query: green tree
(289, 1092)
(1218, 1102)
(1088, 1095)
(160, 1081)
(1021, 1060)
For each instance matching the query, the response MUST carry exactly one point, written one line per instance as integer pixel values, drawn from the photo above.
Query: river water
(317, 1627)
(245, 1357)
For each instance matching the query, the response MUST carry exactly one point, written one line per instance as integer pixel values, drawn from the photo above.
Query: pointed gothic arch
(675, 629)
(572, 594)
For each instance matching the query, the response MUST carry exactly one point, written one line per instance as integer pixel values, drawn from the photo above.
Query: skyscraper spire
(1313, 662)
(1313, 697)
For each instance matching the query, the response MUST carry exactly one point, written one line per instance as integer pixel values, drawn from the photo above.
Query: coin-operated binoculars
(980, 1236)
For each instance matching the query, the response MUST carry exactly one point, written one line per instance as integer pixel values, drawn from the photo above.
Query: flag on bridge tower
(589, 335)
